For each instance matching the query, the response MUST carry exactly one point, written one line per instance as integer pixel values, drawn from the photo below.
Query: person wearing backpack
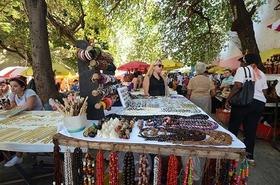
(247, 101)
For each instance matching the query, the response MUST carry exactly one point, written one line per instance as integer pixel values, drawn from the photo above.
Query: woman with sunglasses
(154, 83)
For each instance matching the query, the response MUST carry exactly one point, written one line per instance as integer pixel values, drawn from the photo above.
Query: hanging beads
(157, 170)
(113, 163)
(172, 170)
(142, 171)
(78, 166)
(88, 170)
(129, 169)
(68, 168)
(99, 168)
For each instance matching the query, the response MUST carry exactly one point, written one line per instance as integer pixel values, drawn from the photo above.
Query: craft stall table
(29, 131)
(215, 145)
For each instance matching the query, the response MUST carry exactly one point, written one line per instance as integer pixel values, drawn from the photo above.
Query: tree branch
(81, 23)
(13, 50)
(114, 7)
(253, 10)
(62, 29)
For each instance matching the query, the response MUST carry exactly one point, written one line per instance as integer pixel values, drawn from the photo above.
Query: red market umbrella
(11, 72)
(134, 66)
(275, 26)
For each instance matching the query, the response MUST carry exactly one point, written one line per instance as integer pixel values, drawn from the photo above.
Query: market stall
(163, 126)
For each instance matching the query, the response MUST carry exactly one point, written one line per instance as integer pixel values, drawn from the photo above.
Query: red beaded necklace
(113, 166)
(99, 168)
(172, 172)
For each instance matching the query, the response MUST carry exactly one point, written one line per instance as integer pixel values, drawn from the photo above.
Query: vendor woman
(154, 83)
(25, 98)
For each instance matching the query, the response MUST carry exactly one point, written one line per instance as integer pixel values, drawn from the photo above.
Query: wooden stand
(179, 150)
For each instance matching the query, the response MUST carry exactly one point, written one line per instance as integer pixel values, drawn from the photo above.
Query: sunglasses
(159, 65)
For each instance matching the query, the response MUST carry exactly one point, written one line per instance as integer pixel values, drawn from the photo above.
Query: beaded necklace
(172, 172)
(129, 169)
(68, 176)
(88, 169)
(99, 168)
(142, 171)
(78, 166)
(157, 170)
(113, 166)
(57, 162)
(188, 175)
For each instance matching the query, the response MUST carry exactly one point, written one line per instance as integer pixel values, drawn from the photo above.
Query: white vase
(75, 123)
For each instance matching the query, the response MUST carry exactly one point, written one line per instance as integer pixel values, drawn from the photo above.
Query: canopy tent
(12, 71)
(275, 25)
(268, 53)
(171, 64)
(59, 69)
(134, 66)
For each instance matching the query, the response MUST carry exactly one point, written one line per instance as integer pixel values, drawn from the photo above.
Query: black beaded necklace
(78, 166)
(129, 169)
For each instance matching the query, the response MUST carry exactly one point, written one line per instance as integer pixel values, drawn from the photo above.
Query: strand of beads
(186, 174)
(157, 170)
(190, 178)
(99, 168)
(172, 172)
(113, 165)
(78, 166)
(129, 169)
(57, 163)
(88, 170)
(142, 171)
(218, 166)
(68, 168)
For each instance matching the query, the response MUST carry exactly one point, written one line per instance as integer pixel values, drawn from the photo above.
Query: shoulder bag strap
(246, 77)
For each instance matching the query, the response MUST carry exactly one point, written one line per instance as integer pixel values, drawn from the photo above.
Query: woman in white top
(25, 98)
(250, 114)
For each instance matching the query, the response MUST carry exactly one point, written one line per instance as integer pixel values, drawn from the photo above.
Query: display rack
(179, 150)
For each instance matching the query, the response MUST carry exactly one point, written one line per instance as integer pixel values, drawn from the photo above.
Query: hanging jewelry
(78, 166)
(157, 170)
(129, 169)
(68, 168)
(172, 172)
(186, 174)
(142, 171)
(88, 170)
(113, 165)
(57, 162)
(190, 178)
(99, 168)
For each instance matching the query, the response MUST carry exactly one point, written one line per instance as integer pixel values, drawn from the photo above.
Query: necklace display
(113, 168)
(171, 134)
(78, 166)
(88, 170)
(197, 122)
(172, 172)
(142, 171)
(99, 168)
(188, 175)
(129, 169)
(68, 176)
(157, 170)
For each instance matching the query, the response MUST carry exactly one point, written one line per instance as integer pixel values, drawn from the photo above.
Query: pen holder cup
(75, 123)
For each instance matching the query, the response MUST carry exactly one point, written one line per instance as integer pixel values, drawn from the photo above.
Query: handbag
(246, 94)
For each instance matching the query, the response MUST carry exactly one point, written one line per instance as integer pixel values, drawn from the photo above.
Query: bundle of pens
(73, 105)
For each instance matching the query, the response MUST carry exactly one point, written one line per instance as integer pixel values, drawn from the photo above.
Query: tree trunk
(243, 25)
(41, 58)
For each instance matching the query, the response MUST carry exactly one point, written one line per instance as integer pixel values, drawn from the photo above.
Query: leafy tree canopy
(187, 30)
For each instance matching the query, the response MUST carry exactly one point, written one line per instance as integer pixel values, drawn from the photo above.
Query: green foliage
(186, 30)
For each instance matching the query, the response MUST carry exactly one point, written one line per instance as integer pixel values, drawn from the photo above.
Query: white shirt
(180, 80)
(21, 101)
(260, 84)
